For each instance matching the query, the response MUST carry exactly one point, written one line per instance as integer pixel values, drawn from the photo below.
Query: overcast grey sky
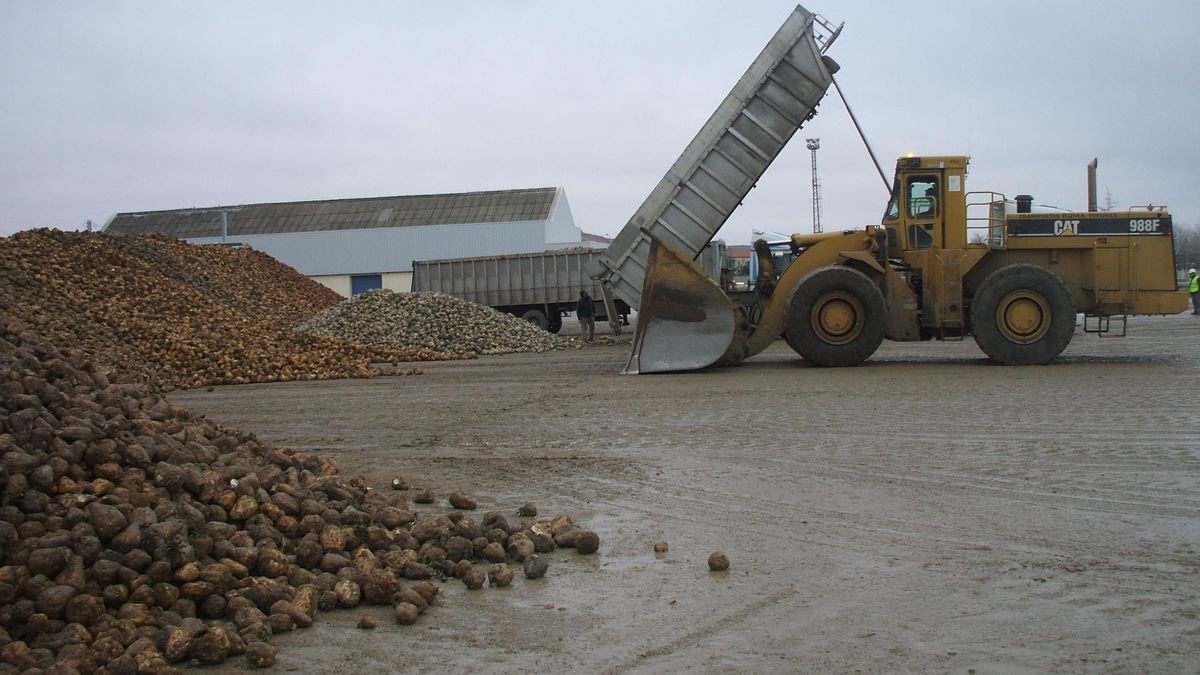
(127, 106)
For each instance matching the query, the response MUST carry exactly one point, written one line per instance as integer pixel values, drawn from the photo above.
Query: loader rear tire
(1022, 315)
(835, 317)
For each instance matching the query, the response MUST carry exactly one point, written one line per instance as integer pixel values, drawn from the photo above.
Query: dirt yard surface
(927, 511)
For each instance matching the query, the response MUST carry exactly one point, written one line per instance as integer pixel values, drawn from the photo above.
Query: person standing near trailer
(586, 311)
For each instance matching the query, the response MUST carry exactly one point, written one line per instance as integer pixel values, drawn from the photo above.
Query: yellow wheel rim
(837, 317)
(1023, 316)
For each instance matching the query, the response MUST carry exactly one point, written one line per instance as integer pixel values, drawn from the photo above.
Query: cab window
(922, 197)
(893, 209)
(922, 205)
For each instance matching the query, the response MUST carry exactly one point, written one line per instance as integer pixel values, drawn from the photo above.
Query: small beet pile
(177, 315)
(428, 320)
(135, 536)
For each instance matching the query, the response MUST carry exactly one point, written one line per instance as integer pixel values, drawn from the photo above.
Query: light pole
(814, 144)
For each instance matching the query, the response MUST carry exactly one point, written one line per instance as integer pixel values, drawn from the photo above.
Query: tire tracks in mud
(718, 501)
(691, 637)
(1006, 489)
(1030, 572)
(760, 516)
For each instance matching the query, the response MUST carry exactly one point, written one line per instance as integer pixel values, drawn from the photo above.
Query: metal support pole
(886, 185)
(224, 226)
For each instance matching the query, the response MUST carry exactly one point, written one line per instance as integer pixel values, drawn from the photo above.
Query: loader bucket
(685, 321)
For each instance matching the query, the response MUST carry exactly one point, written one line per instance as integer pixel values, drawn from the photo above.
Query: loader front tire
(1022, 315)
(835, 317)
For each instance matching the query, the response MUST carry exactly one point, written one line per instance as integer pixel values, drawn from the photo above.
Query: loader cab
(914, 213)
(926, 195)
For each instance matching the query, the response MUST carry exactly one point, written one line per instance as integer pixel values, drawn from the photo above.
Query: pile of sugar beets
(135, 535)
(178, 315)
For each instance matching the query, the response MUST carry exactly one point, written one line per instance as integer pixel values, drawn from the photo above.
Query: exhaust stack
(1092, 184)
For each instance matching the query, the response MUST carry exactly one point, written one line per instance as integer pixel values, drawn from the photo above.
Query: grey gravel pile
(428, 321)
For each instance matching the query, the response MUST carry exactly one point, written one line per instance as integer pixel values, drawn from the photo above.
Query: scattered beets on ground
(427, 320)
(135, 536)
(176, 315)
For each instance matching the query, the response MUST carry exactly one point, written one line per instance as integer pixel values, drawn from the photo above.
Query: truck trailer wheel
(835, 316)
(1022, 315)
(537, 317)
(555, 321)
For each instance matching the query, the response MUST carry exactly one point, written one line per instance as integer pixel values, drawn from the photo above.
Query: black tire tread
(1000, 283)
(537, 317)
(798, 330)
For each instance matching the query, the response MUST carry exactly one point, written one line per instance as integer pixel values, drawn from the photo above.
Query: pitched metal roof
(502, 206)
(596, 238)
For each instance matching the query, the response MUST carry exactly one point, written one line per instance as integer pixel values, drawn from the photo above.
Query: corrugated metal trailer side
(527, 279)
(538, 287)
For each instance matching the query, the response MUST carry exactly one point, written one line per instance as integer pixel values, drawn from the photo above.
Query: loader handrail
(993, 223)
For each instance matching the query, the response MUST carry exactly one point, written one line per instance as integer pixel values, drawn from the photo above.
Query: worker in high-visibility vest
(1194, 289)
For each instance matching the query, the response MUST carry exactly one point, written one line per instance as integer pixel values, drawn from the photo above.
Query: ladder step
(952, 331)
(1101, 322)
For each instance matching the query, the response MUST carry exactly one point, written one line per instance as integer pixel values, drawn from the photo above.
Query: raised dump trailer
(778, 93)
(538, 287)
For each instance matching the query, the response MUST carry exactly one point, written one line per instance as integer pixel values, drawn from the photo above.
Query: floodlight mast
(814, 144)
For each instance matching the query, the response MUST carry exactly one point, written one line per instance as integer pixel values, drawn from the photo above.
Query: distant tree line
(1187, 245)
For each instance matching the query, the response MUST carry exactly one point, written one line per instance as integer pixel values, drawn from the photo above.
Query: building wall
(561, 231)
(400, 282)
(382, 250)
(338, 283)
(332, 256)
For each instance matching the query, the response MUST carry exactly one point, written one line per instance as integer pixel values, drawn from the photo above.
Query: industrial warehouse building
(355, 245)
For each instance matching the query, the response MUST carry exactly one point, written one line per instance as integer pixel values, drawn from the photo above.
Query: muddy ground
(927, 511)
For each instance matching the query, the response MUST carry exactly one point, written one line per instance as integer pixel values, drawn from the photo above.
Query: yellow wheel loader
(944, 263)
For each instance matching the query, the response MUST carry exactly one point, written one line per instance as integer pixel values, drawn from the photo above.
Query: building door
(361, 283)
